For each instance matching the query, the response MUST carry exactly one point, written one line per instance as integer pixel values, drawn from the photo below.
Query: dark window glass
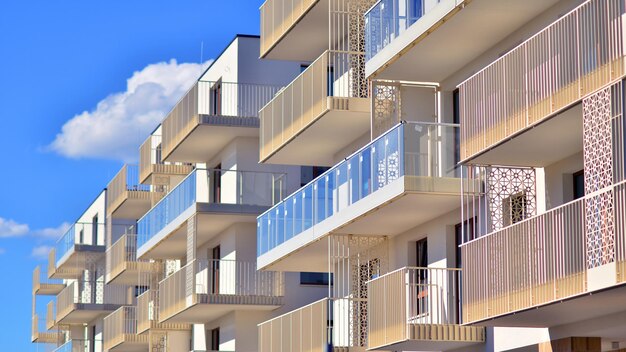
(579, 184)
(307, 278)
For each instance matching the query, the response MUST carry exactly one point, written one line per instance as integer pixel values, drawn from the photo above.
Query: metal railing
(278, 16)
(50, 315)
(335, 74)
(148, 314)
(121, 326)
(121, 255)
(413, 149)
(388, 19)
(40, 331)
(151, 160)
(207, 100)
(91, 234)
(304, 329)
(89, 292)
(41, 280)
(423, 298)
(212, 186)
(533, 262)
(202, 278)
(579, 53)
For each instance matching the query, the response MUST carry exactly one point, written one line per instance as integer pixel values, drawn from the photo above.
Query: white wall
(84, 222)
(559, 181)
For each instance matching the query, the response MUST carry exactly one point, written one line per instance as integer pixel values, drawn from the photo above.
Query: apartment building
(165, 258)
(475, 203)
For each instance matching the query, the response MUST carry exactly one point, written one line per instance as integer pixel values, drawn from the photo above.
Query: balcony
(207, 289)
(318, 114)
(412, 166)
(338, 324)
(152, 169)
(42, 285)
(429, 40)
(126, 197)
(570, 255)
(122, 264)
(295, 30)
(210, 116)
(148, 314)
(425, 316)
(120, 331)
(217, 198)
(81, 243)
(40, 333)
(85, 300)
(545, 76)
(77, 345)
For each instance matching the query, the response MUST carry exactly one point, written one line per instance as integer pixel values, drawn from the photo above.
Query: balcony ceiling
(306, 39)
(537, 146)
(457, 41)
(200, 313)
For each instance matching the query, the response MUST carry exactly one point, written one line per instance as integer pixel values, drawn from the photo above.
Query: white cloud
(10, 228)
(41, 252)
(52, 233)
(121, 121)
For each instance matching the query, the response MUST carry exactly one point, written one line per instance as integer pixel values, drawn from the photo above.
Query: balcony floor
(49, 289)
(207, 139)
(208, 307)
(384, 212)
(85, 313)
(212, 219)
(445, 40)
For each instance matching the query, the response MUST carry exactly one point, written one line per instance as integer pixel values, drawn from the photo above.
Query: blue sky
(70, 60)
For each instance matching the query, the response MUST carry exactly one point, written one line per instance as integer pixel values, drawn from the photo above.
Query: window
(216, 98)
(309, 278)
(579, 184)
(456, 118)
(303, 67)
(215, 339)
(309, 173)
(514, 209)
(139, 290)
(468, 226)
(421, 256)
(216, 254)
(81, 236)
(94, 230)
(217, 184)
(158, 154)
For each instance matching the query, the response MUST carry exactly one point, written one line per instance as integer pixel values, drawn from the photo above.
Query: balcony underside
(447, 38)
(128, 273)
(435, 337)
(82, 313)
(144, 329)
(536, 145)
(134, 204)
(305, 39)
(586, 306)
(394, 209)
(319, 142)
(212, 219)
(207, 307)
(49, 289)
(210, 136)
(130, 343)
(72, 264)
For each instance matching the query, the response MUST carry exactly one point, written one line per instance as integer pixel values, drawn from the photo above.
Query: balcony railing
(304, 329)
(50, 315)
(87, 234)
(120, 327)
(148, 314)
(388, 19)
(89, 292)
(539, 260)
(334, 74)
(40, 331)
(216, 187)
(220, 102)
(574, 56)
(277, 18)
(219, 281)
(426, 308)
(412, 149)
(151, 161)
(122, 255)
(43, 285)
(77, 345)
